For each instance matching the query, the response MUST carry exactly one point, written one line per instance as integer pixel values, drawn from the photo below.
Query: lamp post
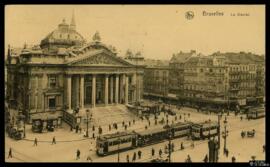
(219, 117)
(225, 133)
(118, 155)
(87, 117)
(170, 146)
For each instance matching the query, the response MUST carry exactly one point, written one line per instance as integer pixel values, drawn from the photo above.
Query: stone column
(134, 80)
(138, 87)
(44, 86)
(111, 89)
(82, 91)
(106, 89)
(36, 94)
(116, 88)
(122, 88)
(69, 91)
(126, 90)
(93, 90)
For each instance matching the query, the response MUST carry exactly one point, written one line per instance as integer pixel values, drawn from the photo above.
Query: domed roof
(64, 36)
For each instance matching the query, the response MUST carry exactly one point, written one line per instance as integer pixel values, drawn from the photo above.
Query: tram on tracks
(256, 113)
(112, 143)
(204, 130)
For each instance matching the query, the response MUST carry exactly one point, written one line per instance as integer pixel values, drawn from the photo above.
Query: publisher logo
(189, 15)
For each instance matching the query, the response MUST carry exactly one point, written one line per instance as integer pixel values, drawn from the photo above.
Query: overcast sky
(157, 31)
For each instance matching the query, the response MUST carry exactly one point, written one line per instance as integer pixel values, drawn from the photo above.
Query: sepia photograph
(135, 84)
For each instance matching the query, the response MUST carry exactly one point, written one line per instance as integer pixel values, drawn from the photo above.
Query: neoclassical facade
(65, 72)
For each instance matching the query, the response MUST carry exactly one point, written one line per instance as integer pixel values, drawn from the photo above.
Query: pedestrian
(153, 152)
(93, 135)
(166, 149)
(233, 159)
(205, 159)
(125, 127)
(241, 118)
(188, 114)
(53, 140)
(116, 126)
(182, 146)
(167, 121)
(180, 117)
(188, 159)
(134, 157)
(89, 159)
(227, 152)
(129, 123)
(160, 153)
(93, 128)
(78, 154)
(139, 154)
(123, 123)
(145, 127)
(35, 142)
(264, 148)
(149, 123)
(175, 118)
(71, 129)
(77, 129)
(192, 144)
(127, 158)
(10, 153)
(155, 122)
(110, 127)
(133, 121)
(172, 147)
(80, 129)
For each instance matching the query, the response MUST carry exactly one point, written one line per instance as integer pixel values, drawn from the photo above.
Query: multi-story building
(64, 72)
(176, 72)
(156, 79)
(224, 79)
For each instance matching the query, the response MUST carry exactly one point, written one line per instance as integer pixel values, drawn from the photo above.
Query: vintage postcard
(135, 83)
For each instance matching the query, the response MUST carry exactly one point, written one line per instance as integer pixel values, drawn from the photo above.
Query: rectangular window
(52, 81)
(52, 102)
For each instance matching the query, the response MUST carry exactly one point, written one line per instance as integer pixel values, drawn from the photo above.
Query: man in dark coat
(134, 157)
(139, 154)
(153, 152)
(35, 142)
(10, 153)
(53, 140)
(78, 154)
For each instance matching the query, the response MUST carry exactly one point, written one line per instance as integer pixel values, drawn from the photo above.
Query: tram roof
(116, 135)
(150, 131)
(181, 123)
(206, 123)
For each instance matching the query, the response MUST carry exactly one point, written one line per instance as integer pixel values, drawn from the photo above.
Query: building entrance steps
(107, 115)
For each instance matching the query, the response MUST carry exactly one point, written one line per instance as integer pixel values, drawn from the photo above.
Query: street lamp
(170, 148)
(219, 117)
(225, 133)
(118, 155)
(87, 117)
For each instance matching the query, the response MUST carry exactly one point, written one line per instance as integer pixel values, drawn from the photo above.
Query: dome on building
(64, 36)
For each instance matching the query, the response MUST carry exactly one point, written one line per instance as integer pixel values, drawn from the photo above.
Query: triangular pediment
(101, 59)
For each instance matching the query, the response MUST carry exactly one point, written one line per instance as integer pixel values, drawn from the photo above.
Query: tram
(151, 136)
(180, 129)
(204, 130)
(256, 113)
(111, 143)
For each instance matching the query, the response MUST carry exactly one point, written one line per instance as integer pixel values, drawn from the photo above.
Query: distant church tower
(72, 24)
